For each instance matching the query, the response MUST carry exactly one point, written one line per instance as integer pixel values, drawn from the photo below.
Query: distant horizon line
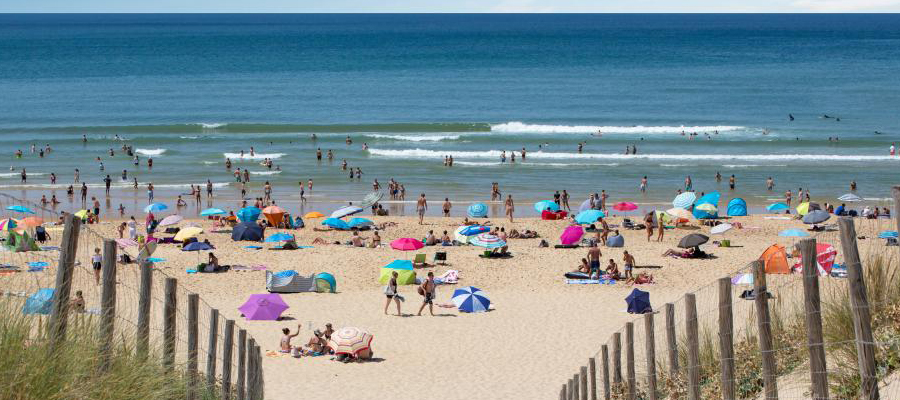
(452, 13)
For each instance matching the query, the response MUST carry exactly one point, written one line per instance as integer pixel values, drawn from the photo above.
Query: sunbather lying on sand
(527, 234)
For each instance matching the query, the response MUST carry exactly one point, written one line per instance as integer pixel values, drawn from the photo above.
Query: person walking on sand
(629, 264)
(390, 291)
(510, 207)
(648, 222)
(447, 206)
(97, 263)
(421, 207)
(427, 290)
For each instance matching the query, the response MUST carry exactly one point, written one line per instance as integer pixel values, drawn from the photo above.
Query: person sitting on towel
(213, 264)
(585, 267)
(445, 240)
(357, 241)
(612, 269)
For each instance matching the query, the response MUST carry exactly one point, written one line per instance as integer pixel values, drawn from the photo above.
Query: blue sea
(191, 90)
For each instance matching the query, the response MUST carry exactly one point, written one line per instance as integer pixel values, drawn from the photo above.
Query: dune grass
(34, 370)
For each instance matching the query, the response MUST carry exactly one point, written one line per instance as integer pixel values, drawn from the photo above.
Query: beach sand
(539, 331)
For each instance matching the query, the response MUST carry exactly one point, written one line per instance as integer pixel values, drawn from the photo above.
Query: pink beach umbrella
(571, 235)
(407, 244)
(625, 206)
(263, 307)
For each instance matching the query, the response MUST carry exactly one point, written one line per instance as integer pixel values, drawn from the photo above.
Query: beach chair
(440, 258)
(419, 260)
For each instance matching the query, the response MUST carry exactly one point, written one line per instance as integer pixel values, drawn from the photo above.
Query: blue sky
(366, 6)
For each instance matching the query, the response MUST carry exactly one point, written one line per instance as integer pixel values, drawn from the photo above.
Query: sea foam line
(257, 156)
(426, 138)
(520, 127)
(423, 153)
(150, 152)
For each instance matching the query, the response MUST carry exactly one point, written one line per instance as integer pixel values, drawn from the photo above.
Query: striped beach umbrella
(487, 240)
(684, 200)
(471, 299)
(371, 199)
(171, 220)
(345, 211)
(350, 340)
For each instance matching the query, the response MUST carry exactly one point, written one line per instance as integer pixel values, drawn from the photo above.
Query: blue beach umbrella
(279, 237)
(473, 230)
(546, 205)
(212, 211)
(816, 217)
(477, 210)
(487, 241)
(21, 209)
(589, 216)
(360, 222)
(196, 246)
(777, 207)
(684, 200)
(471, 299)
(248, 214)
(793, 233)
(336, 223)
(887, 235)
(155, 207)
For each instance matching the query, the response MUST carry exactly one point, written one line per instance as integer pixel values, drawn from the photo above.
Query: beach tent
(737, 207)
(325, 283)
(553, 215)
(711, 198)
(248, 231)
(477, 210)
(405, 273)
(775, 260)
(638, 302)
(40, 302)
(615, 241)
(289, 281)
(248, 214)
(20, 241)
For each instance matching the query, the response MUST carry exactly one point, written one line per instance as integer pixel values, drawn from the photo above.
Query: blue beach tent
(737, 207)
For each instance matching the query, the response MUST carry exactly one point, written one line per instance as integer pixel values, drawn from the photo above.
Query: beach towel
(450, 276)
(566, 246)
(590, 281)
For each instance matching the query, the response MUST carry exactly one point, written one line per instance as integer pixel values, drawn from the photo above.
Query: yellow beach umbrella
(314, 214)
(803, 208)
(187, 233)
(710, 208)
(81, 214)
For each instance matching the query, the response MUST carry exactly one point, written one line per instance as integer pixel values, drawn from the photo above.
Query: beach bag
(420, 290)
(388, 291)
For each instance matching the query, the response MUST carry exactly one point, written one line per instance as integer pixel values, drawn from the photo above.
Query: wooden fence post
(895, 193)
(227, 349)
(592, 367)
(629, 360)
(813, 307)
(211, 348)
(570, 390)
(575, 392)
(726, 339)
(650, 355)
(241, 385)
(107, 303)
(692, 336)
(192, 341)
(859, 305)
(259, 374)
(59, 315)
(584, 385)
(770, 371)
(604, 350)
(617, 357)
(671, 339)
(562, 393)
(169, 307)
(251, 369)
(143, 319)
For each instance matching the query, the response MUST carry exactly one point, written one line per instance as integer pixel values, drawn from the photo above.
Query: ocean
(191, 90)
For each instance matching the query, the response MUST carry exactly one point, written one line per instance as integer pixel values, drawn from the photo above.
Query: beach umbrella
(586, 205)
(248, 214)
(793, 233)
(7, 224)
(407, 244)
(693, 240)
(678, 212)
(742, 279)
(816, 217)
(187, 233)
(472, 230)
(625, 206)
(710, 208)
(314, 214)
(345, 211)
(336, 223)
(638, 302)
(887, 234)
(546, 205)
(720, 229)
(850, 198)
(684, 200)
(82, 214)
(487, 240)
(273, 210)
(350, 340)
(279, 237)
(571, 235)
(825, 255)
(405, 273)
(370, 199)
(21, 209)
(212, 211)
(360, 222)
(589, 216)
(171, 220)
(155, 207)
(471, 299)
(803, 208)
(263, 307)
(126, 242)
(198, 247)
(31, 222)
(459, 237)
(477, 210)
(777, 207)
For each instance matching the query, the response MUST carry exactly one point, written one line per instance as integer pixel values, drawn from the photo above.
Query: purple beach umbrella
(263, 307)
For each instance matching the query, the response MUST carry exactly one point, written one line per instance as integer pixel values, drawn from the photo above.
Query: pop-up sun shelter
(737, 207)
(775, 260)
(405, 273)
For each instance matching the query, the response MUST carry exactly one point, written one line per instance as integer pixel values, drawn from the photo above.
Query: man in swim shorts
(421, 206)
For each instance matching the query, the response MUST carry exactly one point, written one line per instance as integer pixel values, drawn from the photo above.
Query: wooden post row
(671, 339)
(241, 385)
(859, 305)
(107, 303)
(211, 348)
(169, 307)
(592, 366)
(227, 349)
(650, 354)
(813, 308)
(143, 323)
(726, 338)
(617, 358)
(605, 358)
(770, 372)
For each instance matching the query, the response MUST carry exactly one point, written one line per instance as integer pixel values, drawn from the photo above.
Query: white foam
(19, 174)
(150, 152)
(520, 127)
(190, 137)
(425, 138)
(210, 162)
(674, 165)
(423, 153)
(212, 125)
(264, 172)
(476, 163)
(257, 156)
(751, 165)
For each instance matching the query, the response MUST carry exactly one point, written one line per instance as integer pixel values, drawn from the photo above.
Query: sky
(444, 6)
